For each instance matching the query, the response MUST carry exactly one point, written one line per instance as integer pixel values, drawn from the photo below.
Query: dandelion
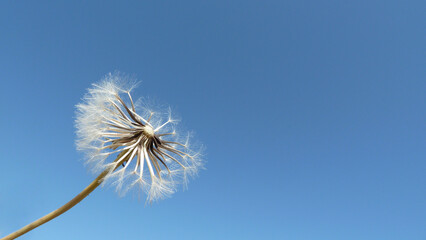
(151, 154)
(128, 145)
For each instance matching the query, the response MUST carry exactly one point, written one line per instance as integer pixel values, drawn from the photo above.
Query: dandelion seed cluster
(150, 154)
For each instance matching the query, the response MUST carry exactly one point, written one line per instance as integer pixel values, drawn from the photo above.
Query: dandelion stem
(65, 207)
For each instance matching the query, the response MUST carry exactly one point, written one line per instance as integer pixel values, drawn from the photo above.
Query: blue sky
(313, 115)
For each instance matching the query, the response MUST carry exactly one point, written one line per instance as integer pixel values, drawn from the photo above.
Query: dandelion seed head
(140, 147)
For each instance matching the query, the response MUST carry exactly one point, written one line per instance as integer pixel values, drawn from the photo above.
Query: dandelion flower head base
(152, 155)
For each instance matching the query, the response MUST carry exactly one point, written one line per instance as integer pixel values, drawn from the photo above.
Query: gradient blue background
(313, 115)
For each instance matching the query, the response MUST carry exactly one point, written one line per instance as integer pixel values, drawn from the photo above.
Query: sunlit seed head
(148, 152)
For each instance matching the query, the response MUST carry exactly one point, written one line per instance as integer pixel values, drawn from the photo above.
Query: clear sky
(312, 112)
